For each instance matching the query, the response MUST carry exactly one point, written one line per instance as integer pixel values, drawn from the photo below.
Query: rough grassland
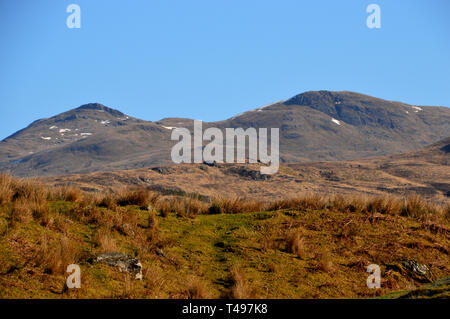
(277, 254)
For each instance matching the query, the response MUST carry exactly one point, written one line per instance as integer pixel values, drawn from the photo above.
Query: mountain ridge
(314, 126)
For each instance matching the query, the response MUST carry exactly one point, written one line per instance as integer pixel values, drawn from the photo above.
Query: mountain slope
(314, 126)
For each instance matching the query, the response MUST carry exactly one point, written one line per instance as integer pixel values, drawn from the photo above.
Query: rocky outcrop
(249, 173)
(123, 262)
(411, 268)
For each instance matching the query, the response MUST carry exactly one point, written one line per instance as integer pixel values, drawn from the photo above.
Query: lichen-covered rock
(413, 269)
(123, 262)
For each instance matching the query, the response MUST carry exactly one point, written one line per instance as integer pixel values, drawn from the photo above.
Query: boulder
(413, 269)
(123, 262)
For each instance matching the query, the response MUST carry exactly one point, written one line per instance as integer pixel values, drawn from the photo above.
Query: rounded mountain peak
(99, 107)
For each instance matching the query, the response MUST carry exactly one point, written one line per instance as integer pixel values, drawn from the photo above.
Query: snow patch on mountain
(335, 121)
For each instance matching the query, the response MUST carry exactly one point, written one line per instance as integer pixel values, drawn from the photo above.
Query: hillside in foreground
(189, 247)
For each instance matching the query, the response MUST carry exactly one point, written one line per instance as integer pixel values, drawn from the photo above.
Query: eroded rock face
(123, 262)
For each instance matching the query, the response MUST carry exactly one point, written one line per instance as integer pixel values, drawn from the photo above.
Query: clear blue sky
(211, 59)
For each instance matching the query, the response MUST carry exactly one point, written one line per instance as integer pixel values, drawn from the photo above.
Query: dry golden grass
(6, 188)
(66, 193)
(416, 207)
(154, 276)
(30, 189)
(23, 190)
(183, 206)
(33, 192)
(108, 201)
(413, 206)
(152, 221)
(267, 242)
(40, 212)
(383, 205)
(301, 202)
(197, 289)
(60, 223)
(138, 196)
(272, 267)
(105, 240)
(21, 212)
(235, 205)
(191, 207)
(91, 215)
(324, 260)
(295, 244)
(55, 257)
(240, 289)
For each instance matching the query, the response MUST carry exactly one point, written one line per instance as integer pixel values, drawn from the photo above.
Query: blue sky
(211, 59)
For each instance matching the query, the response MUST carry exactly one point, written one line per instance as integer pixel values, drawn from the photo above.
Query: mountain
(329, 126)
(89, 138)
(314, 126)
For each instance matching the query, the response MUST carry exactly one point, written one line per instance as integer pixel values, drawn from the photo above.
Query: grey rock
(249, 173)
(413, 269)
(123, 262)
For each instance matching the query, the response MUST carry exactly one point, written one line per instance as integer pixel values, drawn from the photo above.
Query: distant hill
(314, 126)
(425, 172)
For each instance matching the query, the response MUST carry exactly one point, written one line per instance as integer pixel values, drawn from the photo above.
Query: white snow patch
(168, 127)
(407, 112)
(46, 138)
(64, 130)
(416, 109)
(335, 121)
(85, 134)
(52, 127)
(105, 122)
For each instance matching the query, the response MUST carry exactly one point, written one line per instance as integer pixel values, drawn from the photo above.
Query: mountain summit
(314, 126)
(99, 107)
